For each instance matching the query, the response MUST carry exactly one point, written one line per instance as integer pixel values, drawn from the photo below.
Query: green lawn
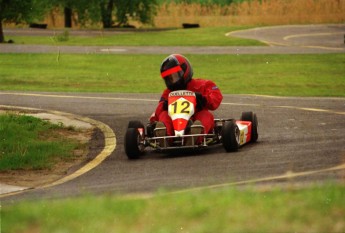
(174, 37)
(315, 209)
(28, 143)
(282, 75)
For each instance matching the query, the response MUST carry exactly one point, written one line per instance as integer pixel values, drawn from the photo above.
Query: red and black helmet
(176, 71)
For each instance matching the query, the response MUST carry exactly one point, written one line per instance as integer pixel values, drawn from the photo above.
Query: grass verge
(30, 143)
(314, 209)
(174, 37)
(282, 75)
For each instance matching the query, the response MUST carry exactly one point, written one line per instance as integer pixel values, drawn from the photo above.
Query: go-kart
(229, 132)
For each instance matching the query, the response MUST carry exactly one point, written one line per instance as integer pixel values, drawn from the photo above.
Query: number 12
(184, 105)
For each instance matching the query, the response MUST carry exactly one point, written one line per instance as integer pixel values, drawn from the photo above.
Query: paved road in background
(306, 39)
(301, 140)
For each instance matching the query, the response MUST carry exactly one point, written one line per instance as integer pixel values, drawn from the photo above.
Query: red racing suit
(208, 90)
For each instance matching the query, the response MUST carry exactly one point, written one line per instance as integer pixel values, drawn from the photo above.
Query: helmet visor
(173, 78)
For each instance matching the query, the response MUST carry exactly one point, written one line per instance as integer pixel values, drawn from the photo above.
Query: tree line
(109, 12)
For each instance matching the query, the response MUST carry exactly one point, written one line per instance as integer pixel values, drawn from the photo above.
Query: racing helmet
(176, 72)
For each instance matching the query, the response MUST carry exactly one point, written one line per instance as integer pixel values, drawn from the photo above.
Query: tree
(68, 17)
(86, 9)
(111, 12)
(26, 11)
(117, 12)
(107, 8)
(21, 11)
(141, 10)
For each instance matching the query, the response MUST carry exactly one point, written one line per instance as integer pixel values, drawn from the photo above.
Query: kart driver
(177, 73)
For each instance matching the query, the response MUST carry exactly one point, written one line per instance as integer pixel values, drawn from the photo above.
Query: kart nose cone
(180, 124)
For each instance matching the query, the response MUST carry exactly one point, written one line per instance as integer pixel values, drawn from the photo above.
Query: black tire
(132, 147)
(135, 124)
(230, 136)
(250, 116)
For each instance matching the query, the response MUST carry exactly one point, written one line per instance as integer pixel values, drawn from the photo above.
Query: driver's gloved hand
(200, 101)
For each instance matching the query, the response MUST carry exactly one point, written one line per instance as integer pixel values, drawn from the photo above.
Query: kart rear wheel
(250, 116)
(133, 147)
(230, 136)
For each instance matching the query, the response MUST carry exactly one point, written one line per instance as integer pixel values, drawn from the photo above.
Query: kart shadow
(187, 153)
(209, 151)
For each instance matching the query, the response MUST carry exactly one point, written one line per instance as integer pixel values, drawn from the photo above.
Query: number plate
(181, 104)
(181, 107)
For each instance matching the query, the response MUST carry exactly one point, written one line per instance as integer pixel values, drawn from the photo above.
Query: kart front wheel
(250, 116)
(135, 124)
(133, 146)
(230, 136)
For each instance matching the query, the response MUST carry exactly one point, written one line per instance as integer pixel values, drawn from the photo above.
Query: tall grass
(217, 13)
(255, 12)
(205, 2)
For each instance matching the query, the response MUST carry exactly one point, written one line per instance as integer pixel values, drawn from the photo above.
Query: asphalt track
(301, 140)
